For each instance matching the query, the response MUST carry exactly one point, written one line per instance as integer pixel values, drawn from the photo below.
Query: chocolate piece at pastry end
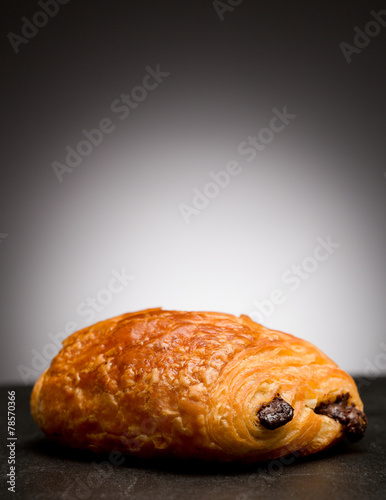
(275, 413)
(356, 424)
(353, 420)
(336, 409)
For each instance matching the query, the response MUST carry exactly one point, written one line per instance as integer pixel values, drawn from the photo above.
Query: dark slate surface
(344, 472)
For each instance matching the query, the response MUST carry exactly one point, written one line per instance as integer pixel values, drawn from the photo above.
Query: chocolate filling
(275, 414)
(353, 420)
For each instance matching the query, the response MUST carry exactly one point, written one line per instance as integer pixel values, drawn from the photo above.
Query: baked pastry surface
(195, 385)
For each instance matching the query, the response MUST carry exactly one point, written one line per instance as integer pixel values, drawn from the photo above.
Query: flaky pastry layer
(189, 385)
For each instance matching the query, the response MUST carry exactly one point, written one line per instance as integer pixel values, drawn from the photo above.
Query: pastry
(195, 385)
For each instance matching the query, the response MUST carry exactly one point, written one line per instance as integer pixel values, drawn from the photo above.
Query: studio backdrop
(207, 155)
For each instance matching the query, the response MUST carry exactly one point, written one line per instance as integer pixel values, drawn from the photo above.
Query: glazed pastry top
(190, 384)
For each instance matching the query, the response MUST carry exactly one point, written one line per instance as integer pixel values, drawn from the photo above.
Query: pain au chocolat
(195, 385)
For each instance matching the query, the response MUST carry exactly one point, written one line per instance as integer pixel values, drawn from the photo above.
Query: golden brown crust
(188, 384)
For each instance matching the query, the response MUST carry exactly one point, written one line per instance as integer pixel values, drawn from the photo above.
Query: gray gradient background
(324, 174)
